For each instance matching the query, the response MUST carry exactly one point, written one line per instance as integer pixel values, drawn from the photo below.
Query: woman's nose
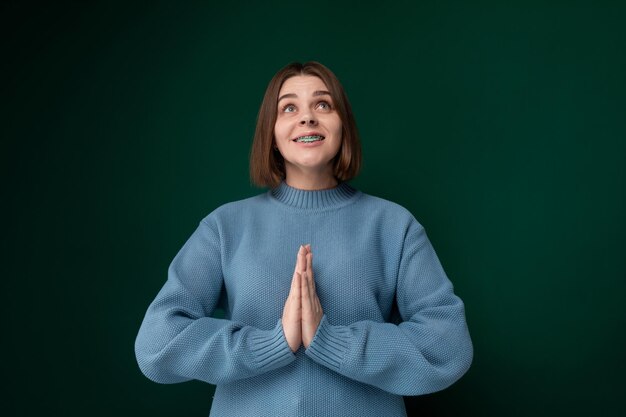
(308, 120)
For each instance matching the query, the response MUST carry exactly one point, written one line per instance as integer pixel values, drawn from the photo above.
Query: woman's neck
(313, 180)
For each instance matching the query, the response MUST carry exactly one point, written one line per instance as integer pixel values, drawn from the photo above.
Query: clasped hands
(302, 312)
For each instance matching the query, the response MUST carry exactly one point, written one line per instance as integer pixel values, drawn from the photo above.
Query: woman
(335, 302)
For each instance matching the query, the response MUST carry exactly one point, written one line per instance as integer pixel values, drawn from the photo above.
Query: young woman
(335, 301)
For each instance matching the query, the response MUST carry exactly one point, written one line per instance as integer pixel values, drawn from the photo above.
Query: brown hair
(267, 166)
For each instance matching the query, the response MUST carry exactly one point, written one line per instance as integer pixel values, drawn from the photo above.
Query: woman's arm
(428, 351)
(179, 340)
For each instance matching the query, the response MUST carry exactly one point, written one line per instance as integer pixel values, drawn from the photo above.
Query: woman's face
(308, 129)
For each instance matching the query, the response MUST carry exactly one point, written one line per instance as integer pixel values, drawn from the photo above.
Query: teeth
(309, 139)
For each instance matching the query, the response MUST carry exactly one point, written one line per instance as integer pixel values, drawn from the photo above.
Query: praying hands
(302, 312)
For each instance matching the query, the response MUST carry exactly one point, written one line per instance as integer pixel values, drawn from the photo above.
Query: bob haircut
(267, 166)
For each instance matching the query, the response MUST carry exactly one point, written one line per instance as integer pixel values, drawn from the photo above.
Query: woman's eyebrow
(315, 94)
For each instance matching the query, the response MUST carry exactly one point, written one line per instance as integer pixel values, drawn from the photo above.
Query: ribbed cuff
(329, 345)
(269, 348)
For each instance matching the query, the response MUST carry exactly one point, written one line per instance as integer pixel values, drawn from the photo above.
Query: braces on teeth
(309, 139)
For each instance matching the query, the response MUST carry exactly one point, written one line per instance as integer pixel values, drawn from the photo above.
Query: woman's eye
(323, 105)
(289, 108)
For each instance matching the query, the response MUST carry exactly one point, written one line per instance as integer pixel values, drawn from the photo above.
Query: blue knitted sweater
(392, 325)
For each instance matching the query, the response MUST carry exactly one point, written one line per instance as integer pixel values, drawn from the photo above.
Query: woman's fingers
(301, 260)
(292, 314)
(309, 269)
(308, 284)
(303, 310)
(311, 307)
(297, 288)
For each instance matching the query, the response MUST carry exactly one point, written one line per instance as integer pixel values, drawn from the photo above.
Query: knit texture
(392, 324)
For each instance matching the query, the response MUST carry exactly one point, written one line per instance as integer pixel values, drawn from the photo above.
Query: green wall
(500, 125)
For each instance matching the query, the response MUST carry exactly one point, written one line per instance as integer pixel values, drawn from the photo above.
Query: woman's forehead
(302, 84)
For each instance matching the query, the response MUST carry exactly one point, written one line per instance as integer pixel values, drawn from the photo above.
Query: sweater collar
(314, 199)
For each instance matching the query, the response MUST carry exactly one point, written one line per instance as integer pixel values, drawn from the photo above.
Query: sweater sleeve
(179, 340)
(428, 351)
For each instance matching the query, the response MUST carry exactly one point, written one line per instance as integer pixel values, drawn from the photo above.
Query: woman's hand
(302, 312)
(292, 312)
(311, 307)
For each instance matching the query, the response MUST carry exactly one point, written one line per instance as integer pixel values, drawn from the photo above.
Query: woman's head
(315, 102)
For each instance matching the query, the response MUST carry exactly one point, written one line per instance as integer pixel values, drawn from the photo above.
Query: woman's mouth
(309, 138)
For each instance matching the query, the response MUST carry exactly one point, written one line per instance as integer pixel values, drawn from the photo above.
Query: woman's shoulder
(388, 206)
(236, 209)
(388, 213)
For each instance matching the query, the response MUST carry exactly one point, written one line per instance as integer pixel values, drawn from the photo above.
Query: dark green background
(500, 125)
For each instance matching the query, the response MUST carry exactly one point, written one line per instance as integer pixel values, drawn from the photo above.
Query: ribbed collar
(314, 199)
